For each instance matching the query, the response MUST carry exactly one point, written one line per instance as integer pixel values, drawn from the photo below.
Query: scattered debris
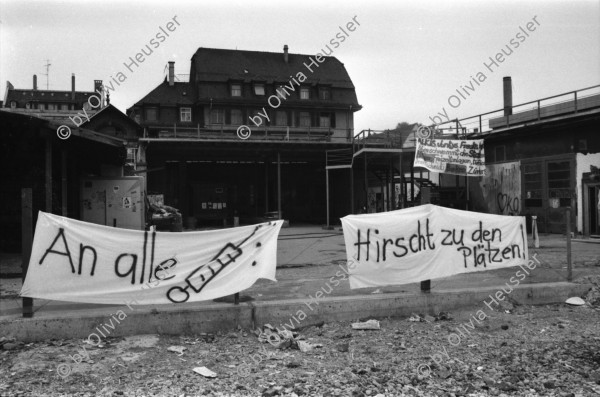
(343, 347)
(207, 373)
(304, 346)
(593, 296)
(415, 318)
(575, 301)
(443, 316)
(177, 349)
(377, 291)
(370, 324)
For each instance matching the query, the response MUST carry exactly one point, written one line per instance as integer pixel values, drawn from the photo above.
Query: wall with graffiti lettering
(501, 189)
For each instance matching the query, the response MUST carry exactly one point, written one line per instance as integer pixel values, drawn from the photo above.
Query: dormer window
(151, 114)
(259, 89)
(236, 89)
(324, 93)
(304, 93)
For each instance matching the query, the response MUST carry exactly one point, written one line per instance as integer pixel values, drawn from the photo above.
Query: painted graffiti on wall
(501, 187)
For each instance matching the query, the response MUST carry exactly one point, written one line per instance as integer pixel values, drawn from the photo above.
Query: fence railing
(571, 102)
(376, 138)
(230, 132)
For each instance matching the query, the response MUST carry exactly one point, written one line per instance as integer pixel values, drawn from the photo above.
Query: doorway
(592, 208)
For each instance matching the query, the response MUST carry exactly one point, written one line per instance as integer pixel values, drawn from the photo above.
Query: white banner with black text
(83, 262)
(429, 242)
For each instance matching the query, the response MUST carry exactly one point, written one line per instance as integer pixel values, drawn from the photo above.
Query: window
(51, 106)
(41, 106)
(533, 184)
(281, 118)
(304, 93)
(236, 90)
(324, 93)
(151, 114)
(259, 89)
(324, 120)
(64, 106)
(236, 116)
(185, 115)
(304, 119)
(137, 118)
(216, 116)
(559, 182)
(13, 104)
(27, 105)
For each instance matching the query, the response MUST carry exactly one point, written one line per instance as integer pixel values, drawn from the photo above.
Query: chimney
(99, 89)
(72, 86)
(285, 53)
(171, 73)
(34, 82)
(508, 100)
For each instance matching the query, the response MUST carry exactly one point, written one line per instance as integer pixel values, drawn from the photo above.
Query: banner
(83, 262)
(451, 156)
(428, 242)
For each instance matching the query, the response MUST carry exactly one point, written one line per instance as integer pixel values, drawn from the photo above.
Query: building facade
(542, 158)
(246, 135)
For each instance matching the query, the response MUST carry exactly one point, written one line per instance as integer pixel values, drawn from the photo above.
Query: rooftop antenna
(47, 74)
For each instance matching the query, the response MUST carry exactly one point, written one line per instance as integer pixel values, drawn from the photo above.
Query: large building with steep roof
(246, 135)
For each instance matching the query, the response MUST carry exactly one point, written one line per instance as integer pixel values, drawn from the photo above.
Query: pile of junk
(162, 217)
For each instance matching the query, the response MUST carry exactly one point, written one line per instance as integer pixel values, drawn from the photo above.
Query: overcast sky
(406, 58)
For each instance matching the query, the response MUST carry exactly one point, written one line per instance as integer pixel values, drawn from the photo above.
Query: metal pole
(467, 183)
(266, 185)
(401, 198)
(279, 185)
(26, 241)
(388, 191)
(534, 232)
(48, 175)
(63, 174)
(351, 190)
(569, 264)
(426, 286)
(412, 184)
(327, 193)
(366, 186)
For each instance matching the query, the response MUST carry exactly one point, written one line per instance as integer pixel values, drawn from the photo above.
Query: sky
(405, 58)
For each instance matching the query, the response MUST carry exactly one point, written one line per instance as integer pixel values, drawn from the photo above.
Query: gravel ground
(513, 351)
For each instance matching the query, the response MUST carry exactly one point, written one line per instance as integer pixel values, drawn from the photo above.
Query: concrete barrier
(174, 320)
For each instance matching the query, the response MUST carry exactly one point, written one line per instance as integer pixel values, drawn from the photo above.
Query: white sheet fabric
(83, 262)
(428, 242)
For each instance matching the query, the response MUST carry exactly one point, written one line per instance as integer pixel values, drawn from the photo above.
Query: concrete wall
(583, 163)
